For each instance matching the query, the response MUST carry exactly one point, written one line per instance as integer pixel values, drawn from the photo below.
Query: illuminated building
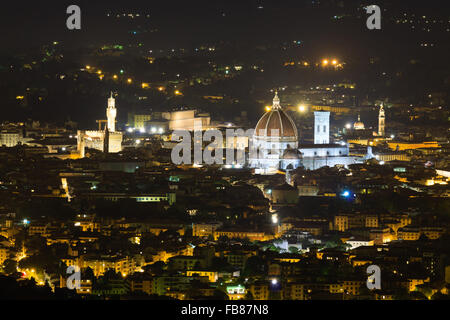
(275, 133)
(9, 139)
(381, 122)
(4, 254)
(187, 120)
(321, 127)
(204, 229)
(108, 140)
(408, 145)
(236, 292)
(358, 125)
(242, 234)
(276, 139)
(211, 275)
(101, 264)
(260, 290)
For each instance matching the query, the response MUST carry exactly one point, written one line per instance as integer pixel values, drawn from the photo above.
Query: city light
(274, 218)
(176, 181)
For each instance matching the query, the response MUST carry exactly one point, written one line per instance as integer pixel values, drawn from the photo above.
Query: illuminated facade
(381, 121)
(108, 140)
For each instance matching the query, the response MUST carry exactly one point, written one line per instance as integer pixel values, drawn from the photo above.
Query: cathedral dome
(276, 123)
(358, 125)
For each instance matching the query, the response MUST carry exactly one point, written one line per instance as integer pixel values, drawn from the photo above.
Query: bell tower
(381, 119)
(321, 127)
(111, 113)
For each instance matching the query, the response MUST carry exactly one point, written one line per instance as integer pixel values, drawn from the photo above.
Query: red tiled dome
(276, 119)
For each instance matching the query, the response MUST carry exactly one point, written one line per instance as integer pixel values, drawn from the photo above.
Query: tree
(293, 249)
(254, 266)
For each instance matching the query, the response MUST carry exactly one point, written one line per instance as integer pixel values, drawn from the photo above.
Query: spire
(276, 101)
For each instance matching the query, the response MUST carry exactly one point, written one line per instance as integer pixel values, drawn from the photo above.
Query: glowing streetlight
(348, 126)
(325, 62)
(302, 108)
(334, 62)
(268, 108)
(129, 80)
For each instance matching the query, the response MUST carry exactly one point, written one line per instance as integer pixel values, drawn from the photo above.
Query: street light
(302, 108)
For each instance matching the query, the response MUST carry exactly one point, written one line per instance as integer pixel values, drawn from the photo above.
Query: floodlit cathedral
(107, 140)
(276, 138)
